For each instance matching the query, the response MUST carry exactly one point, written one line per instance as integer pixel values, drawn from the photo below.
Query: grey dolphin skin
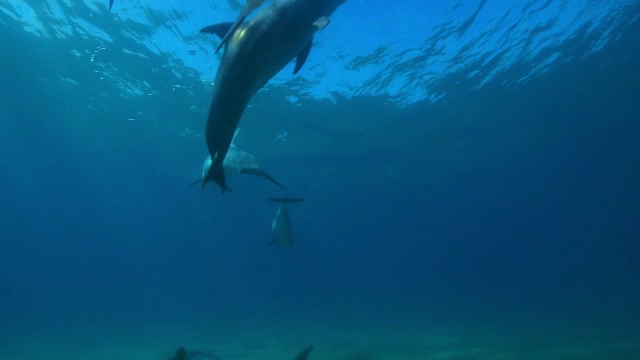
(182, 354)
(255, 52)
(238, 161)
(281, 226)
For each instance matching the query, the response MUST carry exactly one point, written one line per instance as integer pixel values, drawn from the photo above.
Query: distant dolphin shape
(110, 5)
(254, 53)
(281, 226)
(182, 354)
(238, 161)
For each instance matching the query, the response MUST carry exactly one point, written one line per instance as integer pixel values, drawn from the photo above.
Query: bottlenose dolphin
(182, 354)
(281, 226)
(255, 52)
(238, 161)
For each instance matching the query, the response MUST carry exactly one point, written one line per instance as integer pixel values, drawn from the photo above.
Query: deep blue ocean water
(471, 173)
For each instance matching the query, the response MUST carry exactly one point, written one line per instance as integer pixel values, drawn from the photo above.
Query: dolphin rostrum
(238, 161)
(255, 52)
(281, 226)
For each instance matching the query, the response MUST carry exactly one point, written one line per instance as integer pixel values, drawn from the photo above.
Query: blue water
(471, 173)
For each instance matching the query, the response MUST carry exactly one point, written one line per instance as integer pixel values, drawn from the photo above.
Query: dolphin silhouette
(281, 226)
(254, 52)
(238, 161)
(182, 354)
(110, 4)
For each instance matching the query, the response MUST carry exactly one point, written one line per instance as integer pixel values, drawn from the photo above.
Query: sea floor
(335, 343)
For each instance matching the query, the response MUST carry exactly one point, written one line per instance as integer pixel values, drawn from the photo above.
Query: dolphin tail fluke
(262, 174)
(216, 174)
(304, 354)
(286, 200)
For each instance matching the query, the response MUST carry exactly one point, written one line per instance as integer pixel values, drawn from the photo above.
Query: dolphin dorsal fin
(302, 57)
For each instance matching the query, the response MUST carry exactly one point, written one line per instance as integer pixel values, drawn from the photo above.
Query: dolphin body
(281, 226)
(255, 52)
(182, 354)
(238, 161)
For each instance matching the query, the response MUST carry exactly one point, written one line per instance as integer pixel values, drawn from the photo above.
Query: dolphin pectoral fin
(262, 174)
(220, 29)
(234, 26)
(246, 10)
(110, 4)
(234, 135)
(304, 354)
(302, 57)
(195, 183)
(321, 23)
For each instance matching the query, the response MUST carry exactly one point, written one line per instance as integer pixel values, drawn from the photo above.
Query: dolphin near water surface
(254, 52)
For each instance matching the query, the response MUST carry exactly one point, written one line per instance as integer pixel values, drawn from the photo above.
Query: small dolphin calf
(238, 161)
(281, 226)
(253, 54)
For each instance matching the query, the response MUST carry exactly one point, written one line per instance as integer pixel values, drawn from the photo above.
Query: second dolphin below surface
(281, 226)
(238, 161)
(255, 52)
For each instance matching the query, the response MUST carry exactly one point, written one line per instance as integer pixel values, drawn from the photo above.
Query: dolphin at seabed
(238, 161)
(182, 354)
(255, 51)
(281, 226)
